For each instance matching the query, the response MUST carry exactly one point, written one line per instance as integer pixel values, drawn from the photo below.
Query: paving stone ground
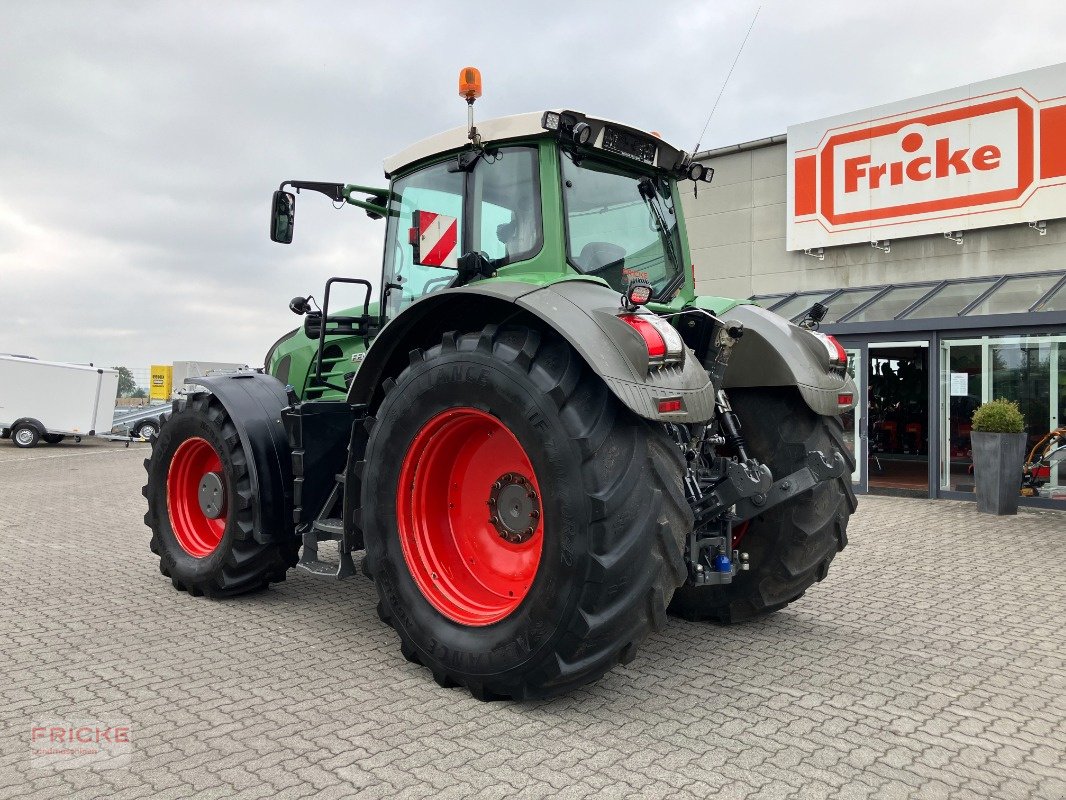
(930, 664)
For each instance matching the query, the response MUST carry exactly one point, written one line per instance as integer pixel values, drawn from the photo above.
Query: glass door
(1030, 370)
(898, 418)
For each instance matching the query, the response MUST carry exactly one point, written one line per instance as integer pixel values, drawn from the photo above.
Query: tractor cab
(554, 192)
(533, 198)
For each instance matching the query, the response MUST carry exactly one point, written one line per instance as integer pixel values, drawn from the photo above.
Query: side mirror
(282, 217)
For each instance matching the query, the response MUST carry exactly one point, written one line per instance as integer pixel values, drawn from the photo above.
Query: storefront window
(960, 396)
(1030, 370)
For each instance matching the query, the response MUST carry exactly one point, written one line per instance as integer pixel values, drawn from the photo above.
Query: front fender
(254, 402)
(774, 352)
(584, 312)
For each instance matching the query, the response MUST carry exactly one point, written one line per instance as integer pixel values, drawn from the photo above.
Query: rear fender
(254, 402)
(584, 312)
(774, 352)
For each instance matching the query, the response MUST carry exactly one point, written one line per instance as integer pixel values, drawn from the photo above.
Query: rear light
(653, 340)
(837, 355)
(663, 343)
(669, 405)
(845, 399)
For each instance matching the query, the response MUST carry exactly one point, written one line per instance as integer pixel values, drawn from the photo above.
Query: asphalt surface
(930, 664)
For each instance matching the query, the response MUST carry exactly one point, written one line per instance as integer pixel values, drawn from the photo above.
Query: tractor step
(309, 560)
(334, 527)
(326, 569)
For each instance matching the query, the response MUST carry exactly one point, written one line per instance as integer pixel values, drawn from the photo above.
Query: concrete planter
(997, 466)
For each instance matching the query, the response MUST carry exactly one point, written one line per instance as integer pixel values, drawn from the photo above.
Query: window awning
(959, 299)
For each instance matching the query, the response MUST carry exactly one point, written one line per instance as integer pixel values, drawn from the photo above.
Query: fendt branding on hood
(942, 166)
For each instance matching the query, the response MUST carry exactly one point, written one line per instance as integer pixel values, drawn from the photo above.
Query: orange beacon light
(470, 83)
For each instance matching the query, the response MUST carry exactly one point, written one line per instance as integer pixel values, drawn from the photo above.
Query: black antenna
(726, 81)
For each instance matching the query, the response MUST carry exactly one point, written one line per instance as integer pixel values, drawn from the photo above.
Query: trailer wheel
(523, 528)
(200, 506)
(53, 438)
(791, 545)
(25, 436)
(146, 430)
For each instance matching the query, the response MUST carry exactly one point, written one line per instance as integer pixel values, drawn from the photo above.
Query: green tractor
(541, 437)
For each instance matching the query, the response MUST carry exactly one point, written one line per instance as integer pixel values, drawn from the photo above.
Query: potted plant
(998, 445)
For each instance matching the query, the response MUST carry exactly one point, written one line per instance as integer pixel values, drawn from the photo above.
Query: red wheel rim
(455, 541)
(196, 532)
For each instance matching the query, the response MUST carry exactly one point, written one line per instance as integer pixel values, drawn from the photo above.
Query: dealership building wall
(737, 227)
(966, 304)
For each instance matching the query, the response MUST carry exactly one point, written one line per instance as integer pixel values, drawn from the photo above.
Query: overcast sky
(140, 141)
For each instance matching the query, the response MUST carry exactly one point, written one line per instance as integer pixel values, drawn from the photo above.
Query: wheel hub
(24, 436)
(212, 495)
(514, 508)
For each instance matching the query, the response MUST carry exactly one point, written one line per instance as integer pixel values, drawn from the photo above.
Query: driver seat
(597, 255)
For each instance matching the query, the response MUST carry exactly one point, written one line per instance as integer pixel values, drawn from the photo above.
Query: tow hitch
(732, 492)
(817, 470)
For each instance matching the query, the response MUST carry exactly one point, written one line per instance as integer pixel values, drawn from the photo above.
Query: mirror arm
(334, 191)
(376, 206)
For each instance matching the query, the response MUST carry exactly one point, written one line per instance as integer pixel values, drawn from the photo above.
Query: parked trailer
(49, 400)
(139, 423)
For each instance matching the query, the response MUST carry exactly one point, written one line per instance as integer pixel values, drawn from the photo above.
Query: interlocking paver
(929, 665)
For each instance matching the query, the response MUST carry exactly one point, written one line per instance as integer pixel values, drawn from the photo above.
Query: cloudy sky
(140, 141)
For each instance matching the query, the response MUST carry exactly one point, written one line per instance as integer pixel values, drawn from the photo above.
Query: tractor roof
(524, 126)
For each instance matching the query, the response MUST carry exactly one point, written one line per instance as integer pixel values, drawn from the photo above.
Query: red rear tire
(523, 528)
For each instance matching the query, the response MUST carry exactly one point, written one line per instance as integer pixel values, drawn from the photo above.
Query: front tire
(200, 507)
(574, 579)
(791, 545)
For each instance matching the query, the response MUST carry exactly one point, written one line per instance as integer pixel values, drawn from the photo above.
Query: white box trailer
(48, 400)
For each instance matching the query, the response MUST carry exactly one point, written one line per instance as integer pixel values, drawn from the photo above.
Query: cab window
(500, 217)
(505, 205)
(432, 189)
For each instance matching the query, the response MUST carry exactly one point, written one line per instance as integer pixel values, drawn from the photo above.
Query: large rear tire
(200, 506)
(791, 545)
(524, 529)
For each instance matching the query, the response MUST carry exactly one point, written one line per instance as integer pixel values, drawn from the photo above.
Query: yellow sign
(162, 381)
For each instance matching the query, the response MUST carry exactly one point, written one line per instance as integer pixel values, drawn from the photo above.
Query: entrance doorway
(897, 377)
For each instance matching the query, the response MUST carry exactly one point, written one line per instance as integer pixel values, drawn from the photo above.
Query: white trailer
(48, 400)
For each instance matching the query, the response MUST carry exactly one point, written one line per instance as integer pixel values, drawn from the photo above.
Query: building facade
(934, 229)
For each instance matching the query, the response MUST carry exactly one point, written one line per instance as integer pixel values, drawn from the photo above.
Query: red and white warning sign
(435, 238)
(988, 154)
